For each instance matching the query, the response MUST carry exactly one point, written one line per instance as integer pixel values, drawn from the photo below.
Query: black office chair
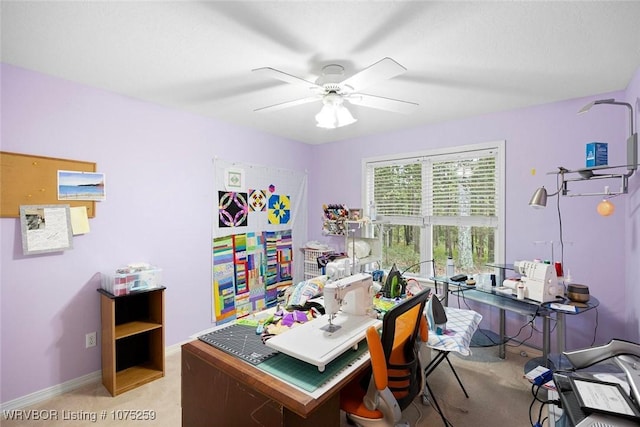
(397, 376)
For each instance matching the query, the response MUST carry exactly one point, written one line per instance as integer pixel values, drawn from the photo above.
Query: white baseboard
(67, 386)
(172, 349)
(50, 392)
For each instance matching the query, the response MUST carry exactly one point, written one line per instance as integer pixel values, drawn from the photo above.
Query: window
(440, 203)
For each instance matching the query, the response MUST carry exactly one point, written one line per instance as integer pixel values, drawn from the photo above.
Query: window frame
(426, 221)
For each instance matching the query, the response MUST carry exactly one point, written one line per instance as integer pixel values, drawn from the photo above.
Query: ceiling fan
(333, 89)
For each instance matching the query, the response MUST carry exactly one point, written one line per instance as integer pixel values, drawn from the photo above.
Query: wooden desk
(220, 389)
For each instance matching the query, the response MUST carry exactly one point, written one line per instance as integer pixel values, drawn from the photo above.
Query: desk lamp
(539, 199)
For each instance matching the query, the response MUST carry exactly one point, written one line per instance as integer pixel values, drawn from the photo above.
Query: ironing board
(460, 327)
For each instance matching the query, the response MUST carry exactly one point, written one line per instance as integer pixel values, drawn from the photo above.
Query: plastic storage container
(311, 268)
(126, 280)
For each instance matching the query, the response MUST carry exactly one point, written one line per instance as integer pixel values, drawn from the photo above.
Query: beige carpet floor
(498, 396)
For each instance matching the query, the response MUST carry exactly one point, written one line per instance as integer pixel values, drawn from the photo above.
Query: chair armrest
(378, 361)
(389, 406)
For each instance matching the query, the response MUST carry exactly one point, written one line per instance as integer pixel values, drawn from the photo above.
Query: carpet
(499, 395)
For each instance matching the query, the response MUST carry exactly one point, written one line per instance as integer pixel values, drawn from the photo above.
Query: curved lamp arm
(613, 102)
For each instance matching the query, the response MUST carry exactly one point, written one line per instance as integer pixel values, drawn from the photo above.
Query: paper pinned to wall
(79, 220)
(45, 228)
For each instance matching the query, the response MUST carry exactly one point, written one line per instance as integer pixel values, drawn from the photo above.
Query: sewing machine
(540, 280)
(353, 294)
(348, 313)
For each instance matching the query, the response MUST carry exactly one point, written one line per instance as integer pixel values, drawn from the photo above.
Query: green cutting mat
(305, 375)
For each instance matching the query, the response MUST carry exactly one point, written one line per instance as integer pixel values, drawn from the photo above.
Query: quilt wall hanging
(248, 271)
(259, 218)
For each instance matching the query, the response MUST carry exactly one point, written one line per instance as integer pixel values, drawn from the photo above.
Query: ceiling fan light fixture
(326, 118)
(334, 116)
(344, 116)
(333, 113)
(332, 88)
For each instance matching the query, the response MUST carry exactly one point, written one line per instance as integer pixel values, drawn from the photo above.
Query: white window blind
(464, 184)
(441, 202)
(446, 185)
(395, 187)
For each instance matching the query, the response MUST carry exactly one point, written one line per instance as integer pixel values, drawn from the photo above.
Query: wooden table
(221, 389)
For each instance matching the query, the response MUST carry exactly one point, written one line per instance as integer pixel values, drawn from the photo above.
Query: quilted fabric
(279, 211)
(461, 325)
(232, 209)
(257, 200)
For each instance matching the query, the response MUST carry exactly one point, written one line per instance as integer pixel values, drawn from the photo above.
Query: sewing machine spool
(578, 293)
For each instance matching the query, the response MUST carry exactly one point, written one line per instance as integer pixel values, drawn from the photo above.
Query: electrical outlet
(90, 340)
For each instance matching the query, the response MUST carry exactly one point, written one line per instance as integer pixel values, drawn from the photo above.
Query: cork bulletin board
(33, 180)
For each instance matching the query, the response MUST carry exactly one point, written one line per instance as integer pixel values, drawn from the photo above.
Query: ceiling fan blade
(384, 69)
(288, 104)
(285, 77)
(382, 103)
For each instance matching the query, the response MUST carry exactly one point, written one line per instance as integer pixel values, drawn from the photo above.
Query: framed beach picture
(74, 185)
(45, 228)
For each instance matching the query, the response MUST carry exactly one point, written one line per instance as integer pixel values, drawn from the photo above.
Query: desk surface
(526, 307)
(502, 301)
(510, 302)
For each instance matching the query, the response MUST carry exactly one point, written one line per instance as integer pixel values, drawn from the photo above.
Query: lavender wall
(160, 198)
(159, 170)
(599, 252)
(632, 229)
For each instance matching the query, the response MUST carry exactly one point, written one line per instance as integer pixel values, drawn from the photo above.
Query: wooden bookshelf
(132, 339)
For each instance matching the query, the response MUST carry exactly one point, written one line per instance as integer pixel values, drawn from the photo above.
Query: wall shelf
(363, 230)
(594, 173)
(587, 174)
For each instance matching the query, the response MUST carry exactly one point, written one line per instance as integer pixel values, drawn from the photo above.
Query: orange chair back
(400, 329)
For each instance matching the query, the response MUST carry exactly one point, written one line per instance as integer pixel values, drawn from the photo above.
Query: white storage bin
(126, 280)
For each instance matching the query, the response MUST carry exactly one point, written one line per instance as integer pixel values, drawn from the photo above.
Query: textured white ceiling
(463, 58)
